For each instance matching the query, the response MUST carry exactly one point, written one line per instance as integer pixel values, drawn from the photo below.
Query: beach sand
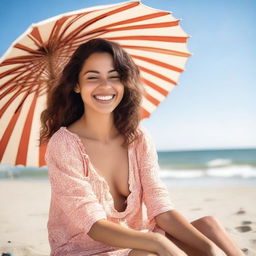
(24, 213)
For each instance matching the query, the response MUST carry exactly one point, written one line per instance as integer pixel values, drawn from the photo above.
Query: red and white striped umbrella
(30, 66)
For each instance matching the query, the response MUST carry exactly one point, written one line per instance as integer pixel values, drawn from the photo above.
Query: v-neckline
(102, 179)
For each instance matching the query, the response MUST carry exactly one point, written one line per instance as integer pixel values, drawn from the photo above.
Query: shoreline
(25, 204)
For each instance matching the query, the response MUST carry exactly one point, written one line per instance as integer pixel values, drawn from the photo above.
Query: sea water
(208, 167)
(181, 168)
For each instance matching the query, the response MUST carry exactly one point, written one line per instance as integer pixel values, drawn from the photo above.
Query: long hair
(64, 106)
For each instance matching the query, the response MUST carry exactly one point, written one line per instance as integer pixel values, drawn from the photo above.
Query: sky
(214, 105)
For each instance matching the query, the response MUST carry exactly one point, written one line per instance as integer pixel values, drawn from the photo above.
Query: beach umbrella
(33, 63)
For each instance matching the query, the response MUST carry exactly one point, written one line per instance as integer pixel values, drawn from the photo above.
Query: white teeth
(109, 97)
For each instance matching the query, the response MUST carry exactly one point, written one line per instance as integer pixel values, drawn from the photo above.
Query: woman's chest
(112, 164)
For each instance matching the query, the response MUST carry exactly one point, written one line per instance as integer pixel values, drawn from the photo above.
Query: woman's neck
(99, 127)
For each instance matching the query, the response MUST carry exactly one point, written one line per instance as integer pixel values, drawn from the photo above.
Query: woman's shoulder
(61, 138)
(62, 142)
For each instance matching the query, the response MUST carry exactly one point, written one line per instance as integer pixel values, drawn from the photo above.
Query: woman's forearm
(177, 226)
(116, 235)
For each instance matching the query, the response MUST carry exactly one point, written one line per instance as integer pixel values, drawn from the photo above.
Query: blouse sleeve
(70, 187)
(155, 192)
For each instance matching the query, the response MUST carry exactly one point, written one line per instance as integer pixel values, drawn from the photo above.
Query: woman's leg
(211, 228)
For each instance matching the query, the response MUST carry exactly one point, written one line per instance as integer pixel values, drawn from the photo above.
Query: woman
(107, 197)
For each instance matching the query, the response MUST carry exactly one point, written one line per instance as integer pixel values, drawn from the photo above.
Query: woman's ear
(77, 89)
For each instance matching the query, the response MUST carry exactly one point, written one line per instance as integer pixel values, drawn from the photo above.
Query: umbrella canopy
(33, 63)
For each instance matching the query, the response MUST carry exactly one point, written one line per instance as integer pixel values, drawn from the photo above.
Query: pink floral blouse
(80, 196)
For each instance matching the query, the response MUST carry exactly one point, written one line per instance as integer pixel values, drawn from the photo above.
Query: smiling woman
(106, 194)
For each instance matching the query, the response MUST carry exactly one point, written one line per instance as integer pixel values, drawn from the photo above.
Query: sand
(24, 212)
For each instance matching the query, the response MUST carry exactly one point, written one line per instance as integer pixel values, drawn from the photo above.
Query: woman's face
(99, 84)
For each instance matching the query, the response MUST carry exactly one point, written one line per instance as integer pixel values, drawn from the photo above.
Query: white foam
(242, 171)
(219, 162)
(165, 173)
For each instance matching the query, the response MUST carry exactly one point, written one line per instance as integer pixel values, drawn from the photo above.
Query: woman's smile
(105, 99)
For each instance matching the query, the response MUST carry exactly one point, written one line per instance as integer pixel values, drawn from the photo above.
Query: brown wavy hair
(64, 106)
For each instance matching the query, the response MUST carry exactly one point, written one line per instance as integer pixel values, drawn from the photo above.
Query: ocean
(225, 167)
(208, 167)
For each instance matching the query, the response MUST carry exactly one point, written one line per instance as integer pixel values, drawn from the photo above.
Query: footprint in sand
(240, 211)
(246, 222)
(209, 199)
(245, 250)
(195, 209)
(243, 228)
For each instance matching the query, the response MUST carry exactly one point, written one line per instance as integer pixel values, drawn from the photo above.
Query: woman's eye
(92, 77)
(115, 77)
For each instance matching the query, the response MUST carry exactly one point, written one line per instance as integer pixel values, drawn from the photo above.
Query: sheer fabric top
(80, 196)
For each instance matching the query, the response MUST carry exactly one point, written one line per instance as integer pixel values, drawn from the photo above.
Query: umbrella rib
(145, 26)
(9, 130)
(158, 63)
(36, 37)
(107, 14)
(7, 134)
(153, 100)
(144, 113)
(27, 49)
(42, 150)
(21, 75)
(22, 89)
(78, 41)
(8, 72)
(155, 86)
(23, 60)
(55, 36)
(140, 18)
(157, 50)
(12, 80)
(23, 144)
(8, 103)
(156, 74)
(171, 39)
(15, 69)
(134, 27)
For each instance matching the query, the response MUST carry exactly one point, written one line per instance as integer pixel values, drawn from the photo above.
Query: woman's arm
(113, 234)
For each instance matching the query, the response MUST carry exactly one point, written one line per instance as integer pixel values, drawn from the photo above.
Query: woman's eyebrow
(97, 72)
(91, 71)
(112, 70)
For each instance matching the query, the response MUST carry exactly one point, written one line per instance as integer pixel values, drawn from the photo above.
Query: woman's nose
(104, 82)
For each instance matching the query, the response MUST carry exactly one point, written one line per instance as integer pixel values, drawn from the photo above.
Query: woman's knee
(207, 222)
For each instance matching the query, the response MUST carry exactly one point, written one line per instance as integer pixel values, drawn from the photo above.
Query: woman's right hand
(164, 247)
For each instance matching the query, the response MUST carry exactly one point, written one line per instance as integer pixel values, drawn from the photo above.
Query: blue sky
(214, 105)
